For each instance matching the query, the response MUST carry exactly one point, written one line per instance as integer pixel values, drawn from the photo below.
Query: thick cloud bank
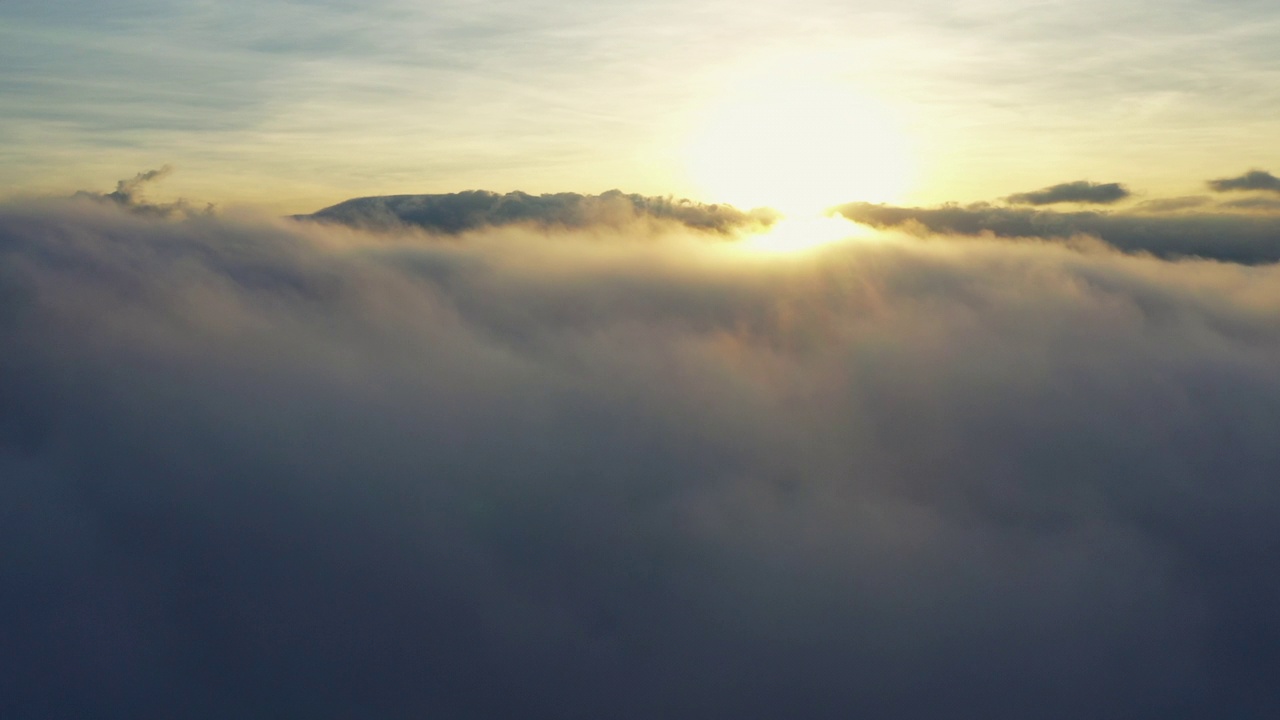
(269, 469)
(459, 212)
(1230, 237)
(1081, 191)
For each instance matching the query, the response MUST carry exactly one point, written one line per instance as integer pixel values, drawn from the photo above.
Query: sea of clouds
(255, 467)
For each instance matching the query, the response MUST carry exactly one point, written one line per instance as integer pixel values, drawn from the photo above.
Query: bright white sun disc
(799, 146)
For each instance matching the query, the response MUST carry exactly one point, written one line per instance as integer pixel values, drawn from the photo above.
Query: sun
(789, 135)
(800, 234)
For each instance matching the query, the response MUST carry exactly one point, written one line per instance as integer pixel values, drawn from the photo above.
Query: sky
(673, 360)
(296, 105)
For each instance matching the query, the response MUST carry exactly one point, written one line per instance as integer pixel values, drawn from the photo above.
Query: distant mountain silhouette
(454, 213)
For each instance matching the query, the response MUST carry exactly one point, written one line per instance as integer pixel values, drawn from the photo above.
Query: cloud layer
(1229, 237)
(260, 468)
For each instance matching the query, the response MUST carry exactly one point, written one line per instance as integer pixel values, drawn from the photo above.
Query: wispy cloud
(391, 96)
(129, 194)
(1173, 204)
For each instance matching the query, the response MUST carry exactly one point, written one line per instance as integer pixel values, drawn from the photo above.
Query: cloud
(1252, 180)
(1171, 205)
(1080, 191)
(459, 212)
(1264, 204)
(257, 466)
(1230, 237)
(129, 194)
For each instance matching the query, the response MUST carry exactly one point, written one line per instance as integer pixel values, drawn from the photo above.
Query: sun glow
(800, 233)
(792, 137)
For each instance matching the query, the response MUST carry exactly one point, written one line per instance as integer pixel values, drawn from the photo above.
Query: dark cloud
(129, 194)
(260, 468)
(1252, 180)
(459, 212)
(1241, 238)
(1081, 191)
